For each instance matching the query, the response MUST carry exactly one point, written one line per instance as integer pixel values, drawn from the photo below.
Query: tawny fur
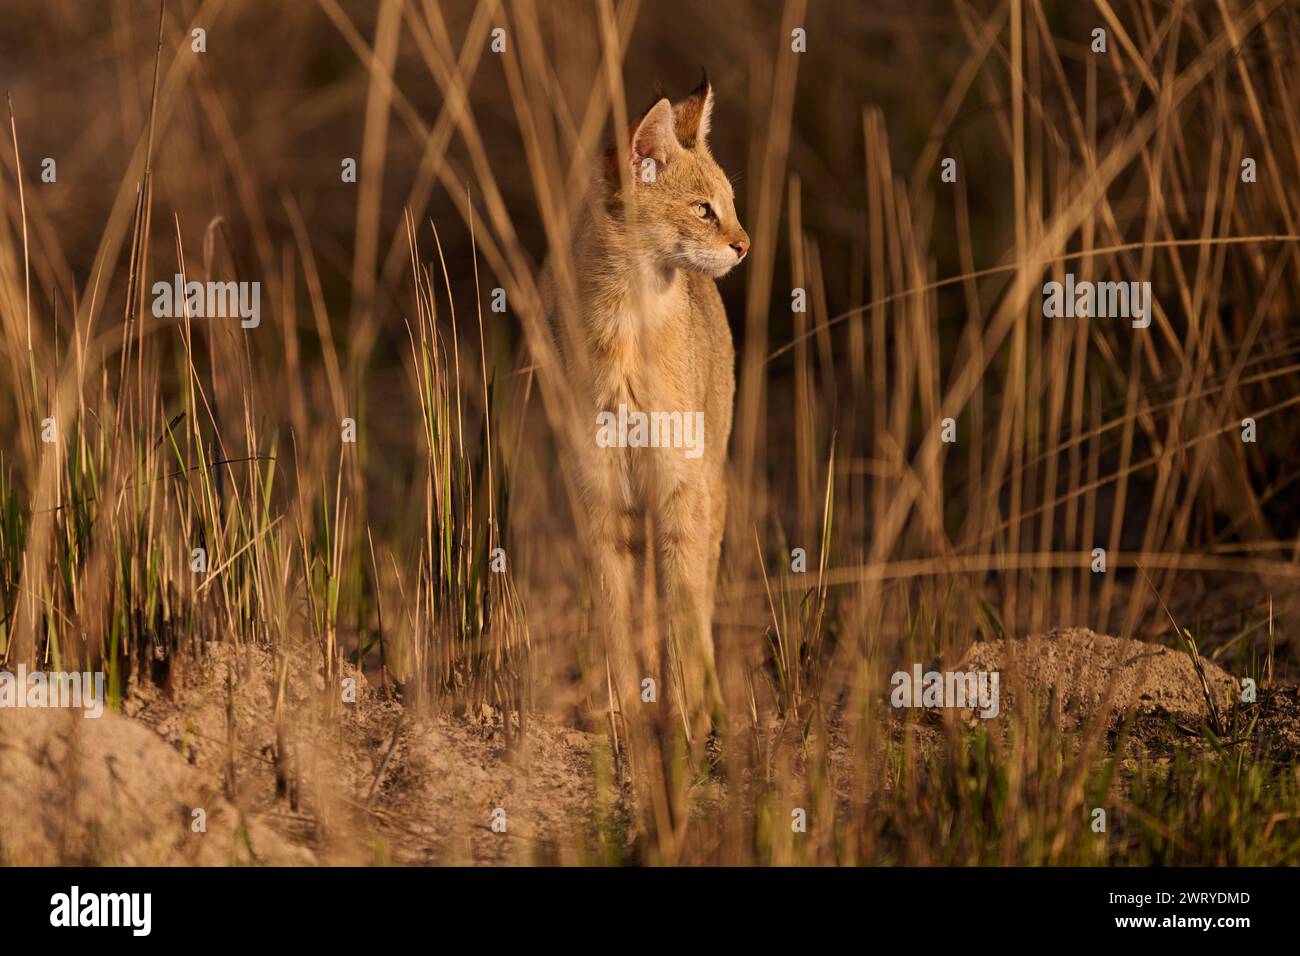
(649, 331)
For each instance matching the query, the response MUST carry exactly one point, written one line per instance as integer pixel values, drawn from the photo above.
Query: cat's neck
(623, 291)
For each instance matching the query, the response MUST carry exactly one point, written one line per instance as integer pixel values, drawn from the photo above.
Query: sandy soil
(286, 782)
(379, 787)
(109, 791)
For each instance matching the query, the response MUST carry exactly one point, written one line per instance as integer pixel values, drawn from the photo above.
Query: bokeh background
(924, 303)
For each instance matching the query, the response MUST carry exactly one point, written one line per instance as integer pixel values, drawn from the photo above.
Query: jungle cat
(650, 361)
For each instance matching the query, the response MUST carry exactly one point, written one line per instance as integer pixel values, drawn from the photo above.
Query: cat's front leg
(613, 563)
(684, 542)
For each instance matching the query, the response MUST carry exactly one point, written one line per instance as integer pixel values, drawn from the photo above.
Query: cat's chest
(628, 375)
(644, 370)
(643, 349)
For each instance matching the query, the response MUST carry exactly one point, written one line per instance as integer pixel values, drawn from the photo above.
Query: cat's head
(685, 206)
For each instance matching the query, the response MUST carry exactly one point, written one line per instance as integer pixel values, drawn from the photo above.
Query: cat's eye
(703, 210)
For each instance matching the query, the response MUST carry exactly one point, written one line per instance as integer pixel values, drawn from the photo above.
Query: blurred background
(1117, 159)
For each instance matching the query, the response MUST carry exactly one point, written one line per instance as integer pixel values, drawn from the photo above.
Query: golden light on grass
(374, 560)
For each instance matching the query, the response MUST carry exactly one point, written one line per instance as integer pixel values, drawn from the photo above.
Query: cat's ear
(653, 137)
(691, 116)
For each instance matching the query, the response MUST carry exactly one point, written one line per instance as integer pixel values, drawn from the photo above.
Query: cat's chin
(715, 267)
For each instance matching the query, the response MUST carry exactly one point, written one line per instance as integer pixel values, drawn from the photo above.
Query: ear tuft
(691, 116)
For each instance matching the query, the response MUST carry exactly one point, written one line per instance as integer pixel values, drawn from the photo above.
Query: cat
(649, 335)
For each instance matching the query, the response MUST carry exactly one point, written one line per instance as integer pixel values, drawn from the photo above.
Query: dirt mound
(370, 781)
(287, 775)
(1082, 671)
(107, 791)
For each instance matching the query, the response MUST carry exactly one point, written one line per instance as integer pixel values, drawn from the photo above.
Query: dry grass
(924, 303)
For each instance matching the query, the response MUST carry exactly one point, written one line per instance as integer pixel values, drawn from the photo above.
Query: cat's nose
(741, 248)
